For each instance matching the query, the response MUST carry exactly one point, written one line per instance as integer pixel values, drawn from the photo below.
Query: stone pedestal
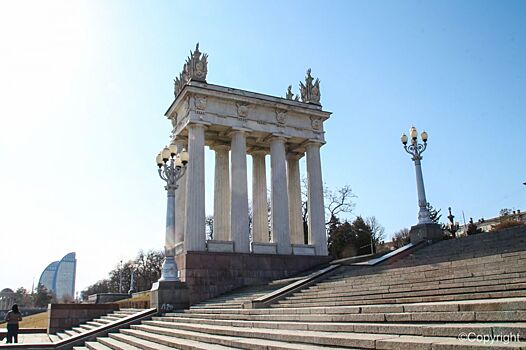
(425, 232)
(167, 296)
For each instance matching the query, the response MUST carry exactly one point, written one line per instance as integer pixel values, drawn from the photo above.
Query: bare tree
(377, 230)
(401, 238)
(338, 201)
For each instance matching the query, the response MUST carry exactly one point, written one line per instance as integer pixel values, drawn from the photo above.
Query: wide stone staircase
(95, 324)
(236, 299)
(467, 293)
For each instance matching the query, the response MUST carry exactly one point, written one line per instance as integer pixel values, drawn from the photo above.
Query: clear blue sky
(84, 86)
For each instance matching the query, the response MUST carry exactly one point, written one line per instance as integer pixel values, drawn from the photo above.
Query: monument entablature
(222, 110)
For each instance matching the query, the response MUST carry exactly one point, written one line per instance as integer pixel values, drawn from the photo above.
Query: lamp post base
(169, 270)
(426, 232)
(167, 296)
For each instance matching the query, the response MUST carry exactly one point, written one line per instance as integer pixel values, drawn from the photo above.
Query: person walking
(12, 318)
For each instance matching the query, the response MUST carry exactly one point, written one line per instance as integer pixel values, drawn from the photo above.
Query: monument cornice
(249, 97)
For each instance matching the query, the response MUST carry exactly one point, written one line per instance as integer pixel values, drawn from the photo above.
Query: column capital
(198, 124)
(237, 130)
(316, 143)
(295, 156)
(258, 152)
(281, 137)
(220, 147)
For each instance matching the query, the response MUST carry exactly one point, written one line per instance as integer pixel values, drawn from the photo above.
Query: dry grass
(34, 321)
(139, 302)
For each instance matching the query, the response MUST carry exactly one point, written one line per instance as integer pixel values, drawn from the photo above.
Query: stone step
(71, 332)
(519, 283)
(211, 333)
(63, 335)
(95, 324)
(87, 327)
(232, 301)
(423, 263)
(240, 299)
(387, 286)
(431, 295)
(435, 330)
(171, 337)
(502, 304)
(54, 338)
(471, 250)
(366, 276)
(102, 320)
(163, 342)
(219, 306)
(112, 318)
(93, 345)
(391, 281)
(80, 348)
(370, 276)
(117, 344)
(79, 329)
(128, 311)
(437, 316)
(442, 298)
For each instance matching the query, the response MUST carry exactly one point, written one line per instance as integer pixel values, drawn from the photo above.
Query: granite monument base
(426, 232)
(210, 274)
(167, 296)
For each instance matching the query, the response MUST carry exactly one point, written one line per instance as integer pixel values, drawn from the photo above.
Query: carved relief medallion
(281, 116)
(200, 103)
(316, 123)
(242, 110)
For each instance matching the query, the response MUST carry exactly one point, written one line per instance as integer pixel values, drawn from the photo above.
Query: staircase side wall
(65, 316)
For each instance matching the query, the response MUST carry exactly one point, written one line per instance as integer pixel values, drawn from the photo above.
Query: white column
(280, 201)
(195, 189)
(180, 201)
(316, 208)
(239, 195)
(221, 193)
(260, 232)
(294, 186)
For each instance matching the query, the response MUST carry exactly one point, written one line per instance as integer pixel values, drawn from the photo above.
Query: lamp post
(415, 149)
(172, 167)
(120, 277)
(132, 279)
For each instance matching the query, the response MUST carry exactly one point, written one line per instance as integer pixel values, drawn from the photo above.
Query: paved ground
(31, 339)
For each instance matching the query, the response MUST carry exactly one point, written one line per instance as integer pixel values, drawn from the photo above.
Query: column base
(220, 246)
(264, 248)
(167, 296)
(425, 232)
(303, 249)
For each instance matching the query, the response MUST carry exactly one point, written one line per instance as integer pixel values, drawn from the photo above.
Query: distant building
(59, 277)
(485, 225)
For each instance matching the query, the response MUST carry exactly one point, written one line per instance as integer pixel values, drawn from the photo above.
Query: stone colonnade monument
(234, 124)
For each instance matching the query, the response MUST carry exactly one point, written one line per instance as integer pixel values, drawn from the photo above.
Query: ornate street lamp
(134, 268)
(415, 149)
(172, 167)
